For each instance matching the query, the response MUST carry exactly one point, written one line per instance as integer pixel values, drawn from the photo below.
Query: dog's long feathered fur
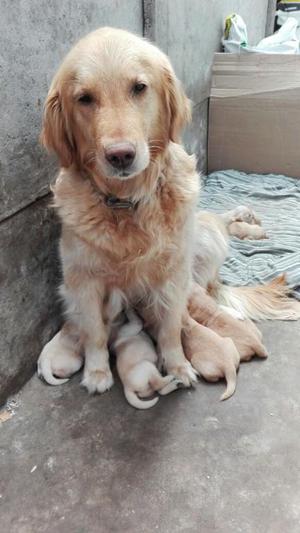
(265, 302)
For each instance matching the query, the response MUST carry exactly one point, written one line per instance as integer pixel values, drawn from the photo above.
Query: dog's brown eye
(139, 88)
(85, 99)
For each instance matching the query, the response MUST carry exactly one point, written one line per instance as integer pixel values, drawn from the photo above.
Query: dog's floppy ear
(178, 105)
(54, 134)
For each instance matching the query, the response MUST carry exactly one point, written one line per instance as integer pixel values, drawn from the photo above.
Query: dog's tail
(136, 402)
(265, 302)
(44, 371)
(230, 376)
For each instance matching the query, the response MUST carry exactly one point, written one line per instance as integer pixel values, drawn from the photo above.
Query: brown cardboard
(254, 114)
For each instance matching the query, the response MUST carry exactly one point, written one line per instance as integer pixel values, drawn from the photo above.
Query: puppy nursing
(60, 357)
(244, 333)
(136, 365)
(212, 356)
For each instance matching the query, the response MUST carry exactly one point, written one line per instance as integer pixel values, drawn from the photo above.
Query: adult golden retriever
(125, 194)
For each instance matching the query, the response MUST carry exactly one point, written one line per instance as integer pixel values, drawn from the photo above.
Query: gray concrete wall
(34, 36)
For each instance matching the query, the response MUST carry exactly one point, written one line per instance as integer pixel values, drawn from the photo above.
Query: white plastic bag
(284, 41)
(282, 16)
(235, 34)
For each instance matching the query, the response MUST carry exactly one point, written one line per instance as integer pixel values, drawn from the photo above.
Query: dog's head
(114, 105)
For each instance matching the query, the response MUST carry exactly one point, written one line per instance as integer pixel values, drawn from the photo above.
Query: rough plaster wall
(34, 37)
(190, 32)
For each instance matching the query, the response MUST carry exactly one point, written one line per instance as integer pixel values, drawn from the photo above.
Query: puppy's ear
(55, 136)
(178, 105)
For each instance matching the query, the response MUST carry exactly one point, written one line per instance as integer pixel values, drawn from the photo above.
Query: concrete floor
(73, 463)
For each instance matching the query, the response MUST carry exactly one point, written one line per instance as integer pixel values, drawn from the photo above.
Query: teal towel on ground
(276, 200)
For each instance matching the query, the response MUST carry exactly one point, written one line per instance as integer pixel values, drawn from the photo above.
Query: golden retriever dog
(212, 356)
(245, 335)
(126, 195)
(136, 365)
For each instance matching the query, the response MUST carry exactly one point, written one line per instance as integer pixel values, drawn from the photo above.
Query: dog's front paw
(185, 373)
(97, 380)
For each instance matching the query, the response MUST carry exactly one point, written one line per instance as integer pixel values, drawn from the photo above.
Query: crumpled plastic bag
(284, 41)
(282, 16)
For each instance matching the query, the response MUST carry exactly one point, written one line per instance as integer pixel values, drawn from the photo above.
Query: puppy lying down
(243, 222)
(136, 364)
(245, 335)
(243, 230)
(212, 356)
(61, 357)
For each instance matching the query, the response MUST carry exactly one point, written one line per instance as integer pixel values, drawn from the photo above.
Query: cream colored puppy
(136, 365)
(212, 356)
(244, 230)
(61, 357)
(244, 333)
(242, 213)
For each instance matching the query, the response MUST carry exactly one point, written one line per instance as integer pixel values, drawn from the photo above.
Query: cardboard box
(254, 114)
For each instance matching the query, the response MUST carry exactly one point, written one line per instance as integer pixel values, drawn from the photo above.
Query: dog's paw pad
(97, 381)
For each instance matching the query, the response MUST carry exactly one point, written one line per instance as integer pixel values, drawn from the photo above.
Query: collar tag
(116, 203)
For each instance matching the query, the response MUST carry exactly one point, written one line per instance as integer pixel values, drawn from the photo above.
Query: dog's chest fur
(124, 248)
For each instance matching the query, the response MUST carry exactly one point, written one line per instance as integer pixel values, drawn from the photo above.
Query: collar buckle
(117, 203)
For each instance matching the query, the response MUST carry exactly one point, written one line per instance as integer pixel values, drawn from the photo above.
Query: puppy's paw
(184, 373)
(178, 383)
(172, 384)
(97, 380)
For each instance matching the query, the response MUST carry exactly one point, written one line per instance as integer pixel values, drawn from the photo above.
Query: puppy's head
(114, 105)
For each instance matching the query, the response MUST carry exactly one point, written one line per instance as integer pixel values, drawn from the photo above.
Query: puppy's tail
(44, 371)
(265, 302)
(230, 376)
(136, 402)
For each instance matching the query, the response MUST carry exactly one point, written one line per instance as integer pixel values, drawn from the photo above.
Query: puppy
(212, 356)
(245, 335)
(243, 230)
(61, 357)
(136, 360)
(242, 213)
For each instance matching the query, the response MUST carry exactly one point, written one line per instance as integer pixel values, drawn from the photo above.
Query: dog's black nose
(120, 155)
